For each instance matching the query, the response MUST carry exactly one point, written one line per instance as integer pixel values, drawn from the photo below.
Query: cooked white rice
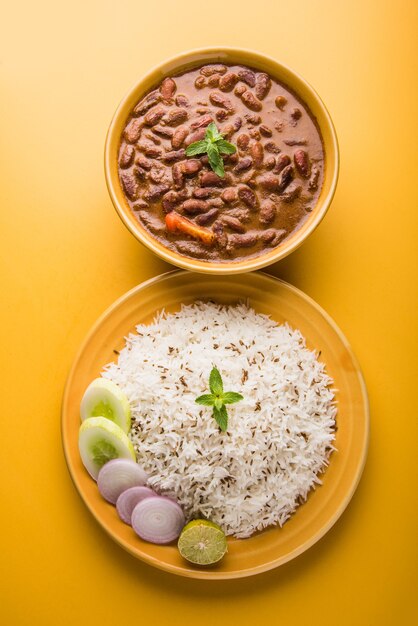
(279, 437)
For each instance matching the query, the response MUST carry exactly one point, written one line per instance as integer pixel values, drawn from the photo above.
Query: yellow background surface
(65, 256)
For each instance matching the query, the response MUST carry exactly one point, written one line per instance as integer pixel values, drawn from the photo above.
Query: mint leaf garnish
(230, 397)
(198, 147)
(206, 400)
(221, 416)
(215, 382)
(214, 145)
(218, 399)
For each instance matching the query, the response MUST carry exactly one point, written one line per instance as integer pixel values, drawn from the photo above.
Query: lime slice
(202, 542)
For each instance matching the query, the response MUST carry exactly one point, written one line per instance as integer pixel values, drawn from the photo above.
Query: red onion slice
(118, 475)
(128, 500)
(158, 519)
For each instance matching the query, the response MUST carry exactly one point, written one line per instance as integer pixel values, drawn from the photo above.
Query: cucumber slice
(103, 398)
(99, 441)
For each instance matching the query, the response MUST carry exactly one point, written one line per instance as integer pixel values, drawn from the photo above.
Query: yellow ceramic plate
(284, 303)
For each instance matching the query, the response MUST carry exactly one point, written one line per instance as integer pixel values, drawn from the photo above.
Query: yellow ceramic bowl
(184, 62)
(283, 302)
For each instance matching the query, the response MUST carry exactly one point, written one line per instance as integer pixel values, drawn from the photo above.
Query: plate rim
(250, 571)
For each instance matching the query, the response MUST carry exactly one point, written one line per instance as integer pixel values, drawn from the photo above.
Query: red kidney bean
(272, 147)
(198, 135)
(200, 82)
(219, 99)
(272, 236)
(202, 192)
(282, 161)
(286, 177)
(280, 102)
(237, 123)
(140, 204)
(178, 176)
(174, 155)
(164, 131)
(228, 81)
(133, 130)
(230, 195)
(205, 218)
(155, 192)
(151, 151)
(191, 167)
(194, 206)
(168, 88)
(153, 138)
(130, 185)
(147, 102)
(249, 178)
(213, 81)
(291, 194)
(262, 85)
(170, 200)
(253, 119)
(126, 156)
(221, 115)
(179, 136)
(182, 100)
(228, 131)
(231, 158)
(302, 163)
(246, 240)
(247, 76)
(209, 70)
(202, 122)
(143, 162)
(248, 197)
(204, 159)
(267, 212)
(175, 116)
(156, 173)
(243, 141)
(215, 202)
(265, 131)
(243, 165)
(210, 179)
(257, 152)
(233, 223)
(313, 181)
(269, 182)
(239, 90)
(251, 101)
(154, 115)
(218, 228)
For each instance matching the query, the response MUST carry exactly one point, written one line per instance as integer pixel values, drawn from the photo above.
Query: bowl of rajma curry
(221, 160)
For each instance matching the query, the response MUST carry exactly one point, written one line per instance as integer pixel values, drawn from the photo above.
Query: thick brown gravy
(271, 183)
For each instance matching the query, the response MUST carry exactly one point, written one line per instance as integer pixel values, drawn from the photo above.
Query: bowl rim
(248, 571)
(211, 267)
